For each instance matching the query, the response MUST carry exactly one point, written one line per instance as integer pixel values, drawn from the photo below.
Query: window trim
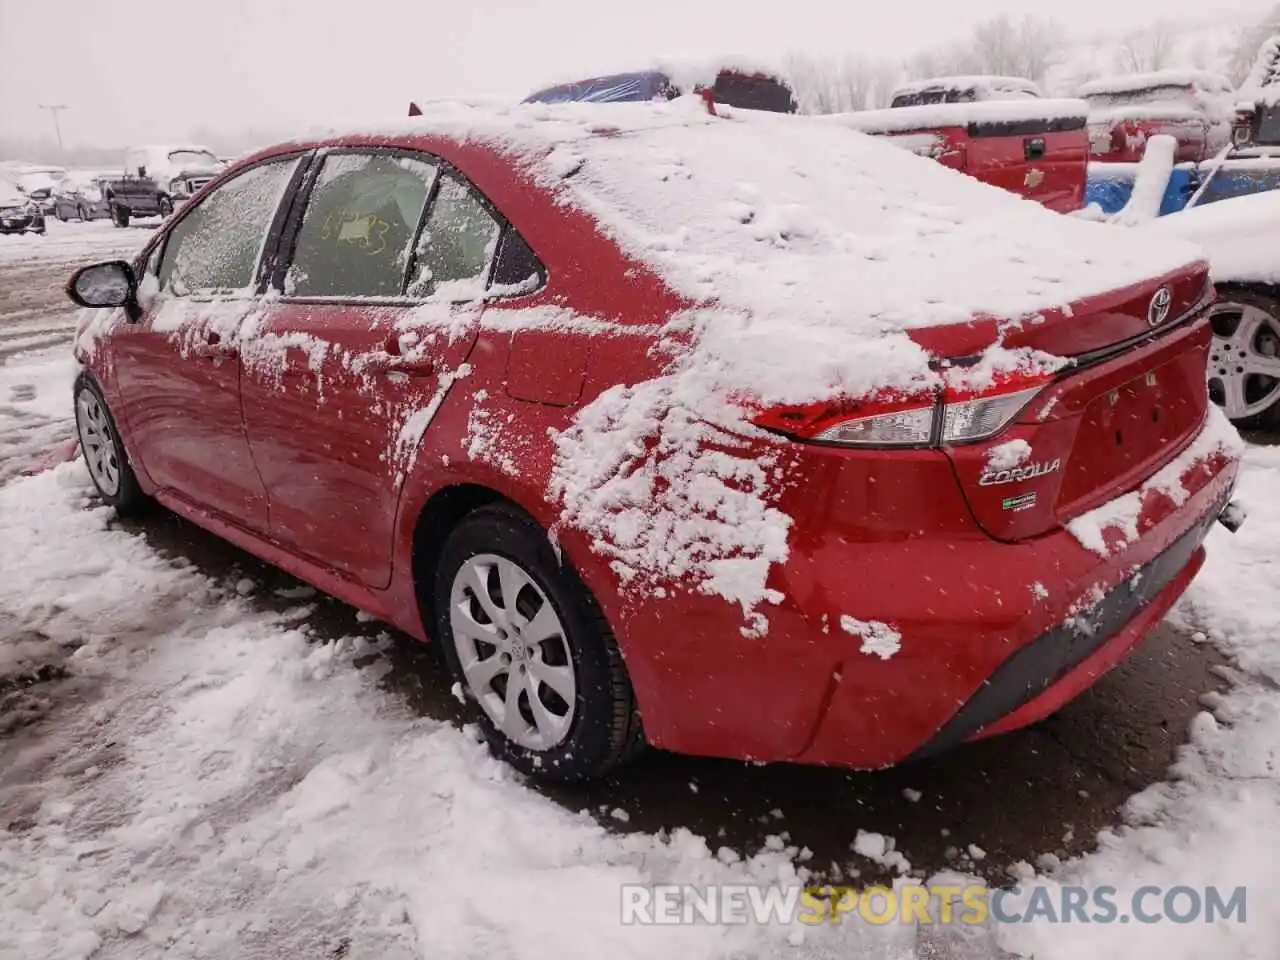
(302, 200)
(270, 243)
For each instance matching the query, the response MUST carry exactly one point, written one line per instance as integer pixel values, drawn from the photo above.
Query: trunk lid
(1131, 398)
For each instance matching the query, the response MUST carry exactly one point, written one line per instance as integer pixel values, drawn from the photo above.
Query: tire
(592, 730)
(57, 212)
(165, 206)
(82, 213)
(119, 215)
(103, 450)
(1246, 344)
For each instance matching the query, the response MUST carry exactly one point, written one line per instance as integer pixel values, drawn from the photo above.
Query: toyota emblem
(1158, 312)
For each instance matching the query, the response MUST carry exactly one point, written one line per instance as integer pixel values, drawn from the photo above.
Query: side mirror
(109, 284)
(142, 171)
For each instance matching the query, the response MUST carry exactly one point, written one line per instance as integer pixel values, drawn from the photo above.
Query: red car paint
(296, 472)
(1196, 109)
(1038, 149)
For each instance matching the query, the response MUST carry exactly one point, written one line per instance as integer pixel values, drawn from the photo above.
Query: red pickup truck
(1194, 107)
(1037, 148)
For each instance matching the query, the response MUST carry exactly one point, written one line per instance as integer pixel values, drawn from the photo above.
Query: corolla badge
(994, 478)
(1158, 311)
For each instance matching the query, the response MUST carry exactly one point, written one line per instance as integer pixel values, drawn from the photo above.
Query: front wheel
(524, 638)
(57, 212)
(166, 206)
(119, 215)
(1244, 359)
(103, 450)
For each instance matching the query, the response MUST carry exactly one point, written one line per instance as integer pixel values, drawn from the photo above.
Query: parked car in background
(974, 89)
(158, 179)
(1036, 148)
(1258, 103)
(744, 87)
(80, 196)
(1194, 107)
(651, 417)
(39, 183)
(18, 212)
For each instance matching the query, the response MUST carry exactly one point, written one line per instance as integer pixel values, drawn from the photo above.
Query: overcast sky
(143, 70)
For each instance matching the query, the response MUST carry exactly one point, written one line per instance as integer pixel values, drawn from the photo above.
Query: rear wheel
(57, 212)
(82, 213)
(103, 450)
(1244, 360)
(524, 638)
(166, 206)
(119, 215)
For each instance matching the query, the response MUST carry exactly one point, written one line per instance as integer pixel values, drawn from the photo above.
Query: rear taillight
(891, 419)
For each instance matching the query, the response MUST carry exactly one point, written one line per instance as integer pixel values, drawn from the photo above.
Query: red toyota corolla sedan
(741, 435)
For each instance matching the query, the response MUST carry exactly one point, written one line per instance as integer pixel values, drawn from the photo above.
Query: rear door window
(457, 245)
(216, 247)
(356, 236)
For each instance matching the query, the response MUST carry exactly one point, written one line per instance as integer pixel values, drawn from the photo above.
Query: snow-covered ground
(226, 784)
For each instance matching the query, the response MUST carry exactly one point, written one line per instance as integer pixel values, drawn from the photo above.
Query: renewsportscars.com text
(939, 904)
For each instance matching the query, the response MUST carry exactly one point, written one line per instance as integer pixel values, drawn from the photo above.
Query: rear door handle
(212, 348)
(391, 361)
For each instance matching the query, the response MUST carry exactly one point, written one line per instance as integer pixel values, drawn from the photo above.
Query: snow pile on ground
(75, 242)
(1217, 822)
(243, 791)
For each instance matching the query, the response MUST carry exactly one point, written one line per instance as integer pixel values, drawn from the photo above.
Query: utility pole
(54, 109)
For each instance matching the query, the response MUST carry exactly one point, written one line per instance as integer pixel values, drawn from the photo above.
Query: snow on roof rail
(1131, 82)
(933, 116)
(970, 82)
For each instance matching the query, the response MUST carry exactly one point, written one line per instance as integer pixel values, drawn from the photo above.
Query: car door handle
(391, 361)
(212, 348)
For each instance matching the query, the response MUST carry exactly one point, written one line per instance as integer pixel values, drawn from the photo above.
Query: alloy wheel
(513, 651)
(1244, 360)
(98, 442)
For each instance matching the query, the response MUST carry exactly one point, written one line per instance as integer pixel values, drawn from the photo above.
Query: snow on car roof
(801, 228)
(804, 251)
(973, 82)
(933, 116)
(1233, 232)
(1133, 82)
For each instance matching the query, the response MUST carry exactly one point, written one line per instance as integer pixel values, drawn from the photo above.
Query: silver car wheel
(513, 651)
(1244, 360)
(97, 440)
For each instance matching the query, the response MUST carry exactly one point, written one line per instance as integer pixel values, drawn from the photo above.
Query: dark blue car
(750, 91)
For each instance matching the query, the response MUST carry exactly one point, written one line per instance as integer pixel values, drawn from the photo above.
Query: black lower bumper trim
(1050, 656)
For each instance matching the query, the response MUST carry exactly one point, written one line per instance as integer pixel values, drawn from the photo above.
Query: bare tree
(1248, 42)
(1147, 50)
(999, 46)
(840, 84)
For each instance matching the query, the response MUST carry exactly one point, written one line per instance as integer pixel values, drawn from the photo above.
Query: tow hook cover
(1233, 515)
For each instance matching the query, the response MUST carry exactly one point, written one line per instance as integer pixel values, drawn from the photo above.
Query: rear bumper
(1089, 607)
(1059, 664)
(992, 635)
